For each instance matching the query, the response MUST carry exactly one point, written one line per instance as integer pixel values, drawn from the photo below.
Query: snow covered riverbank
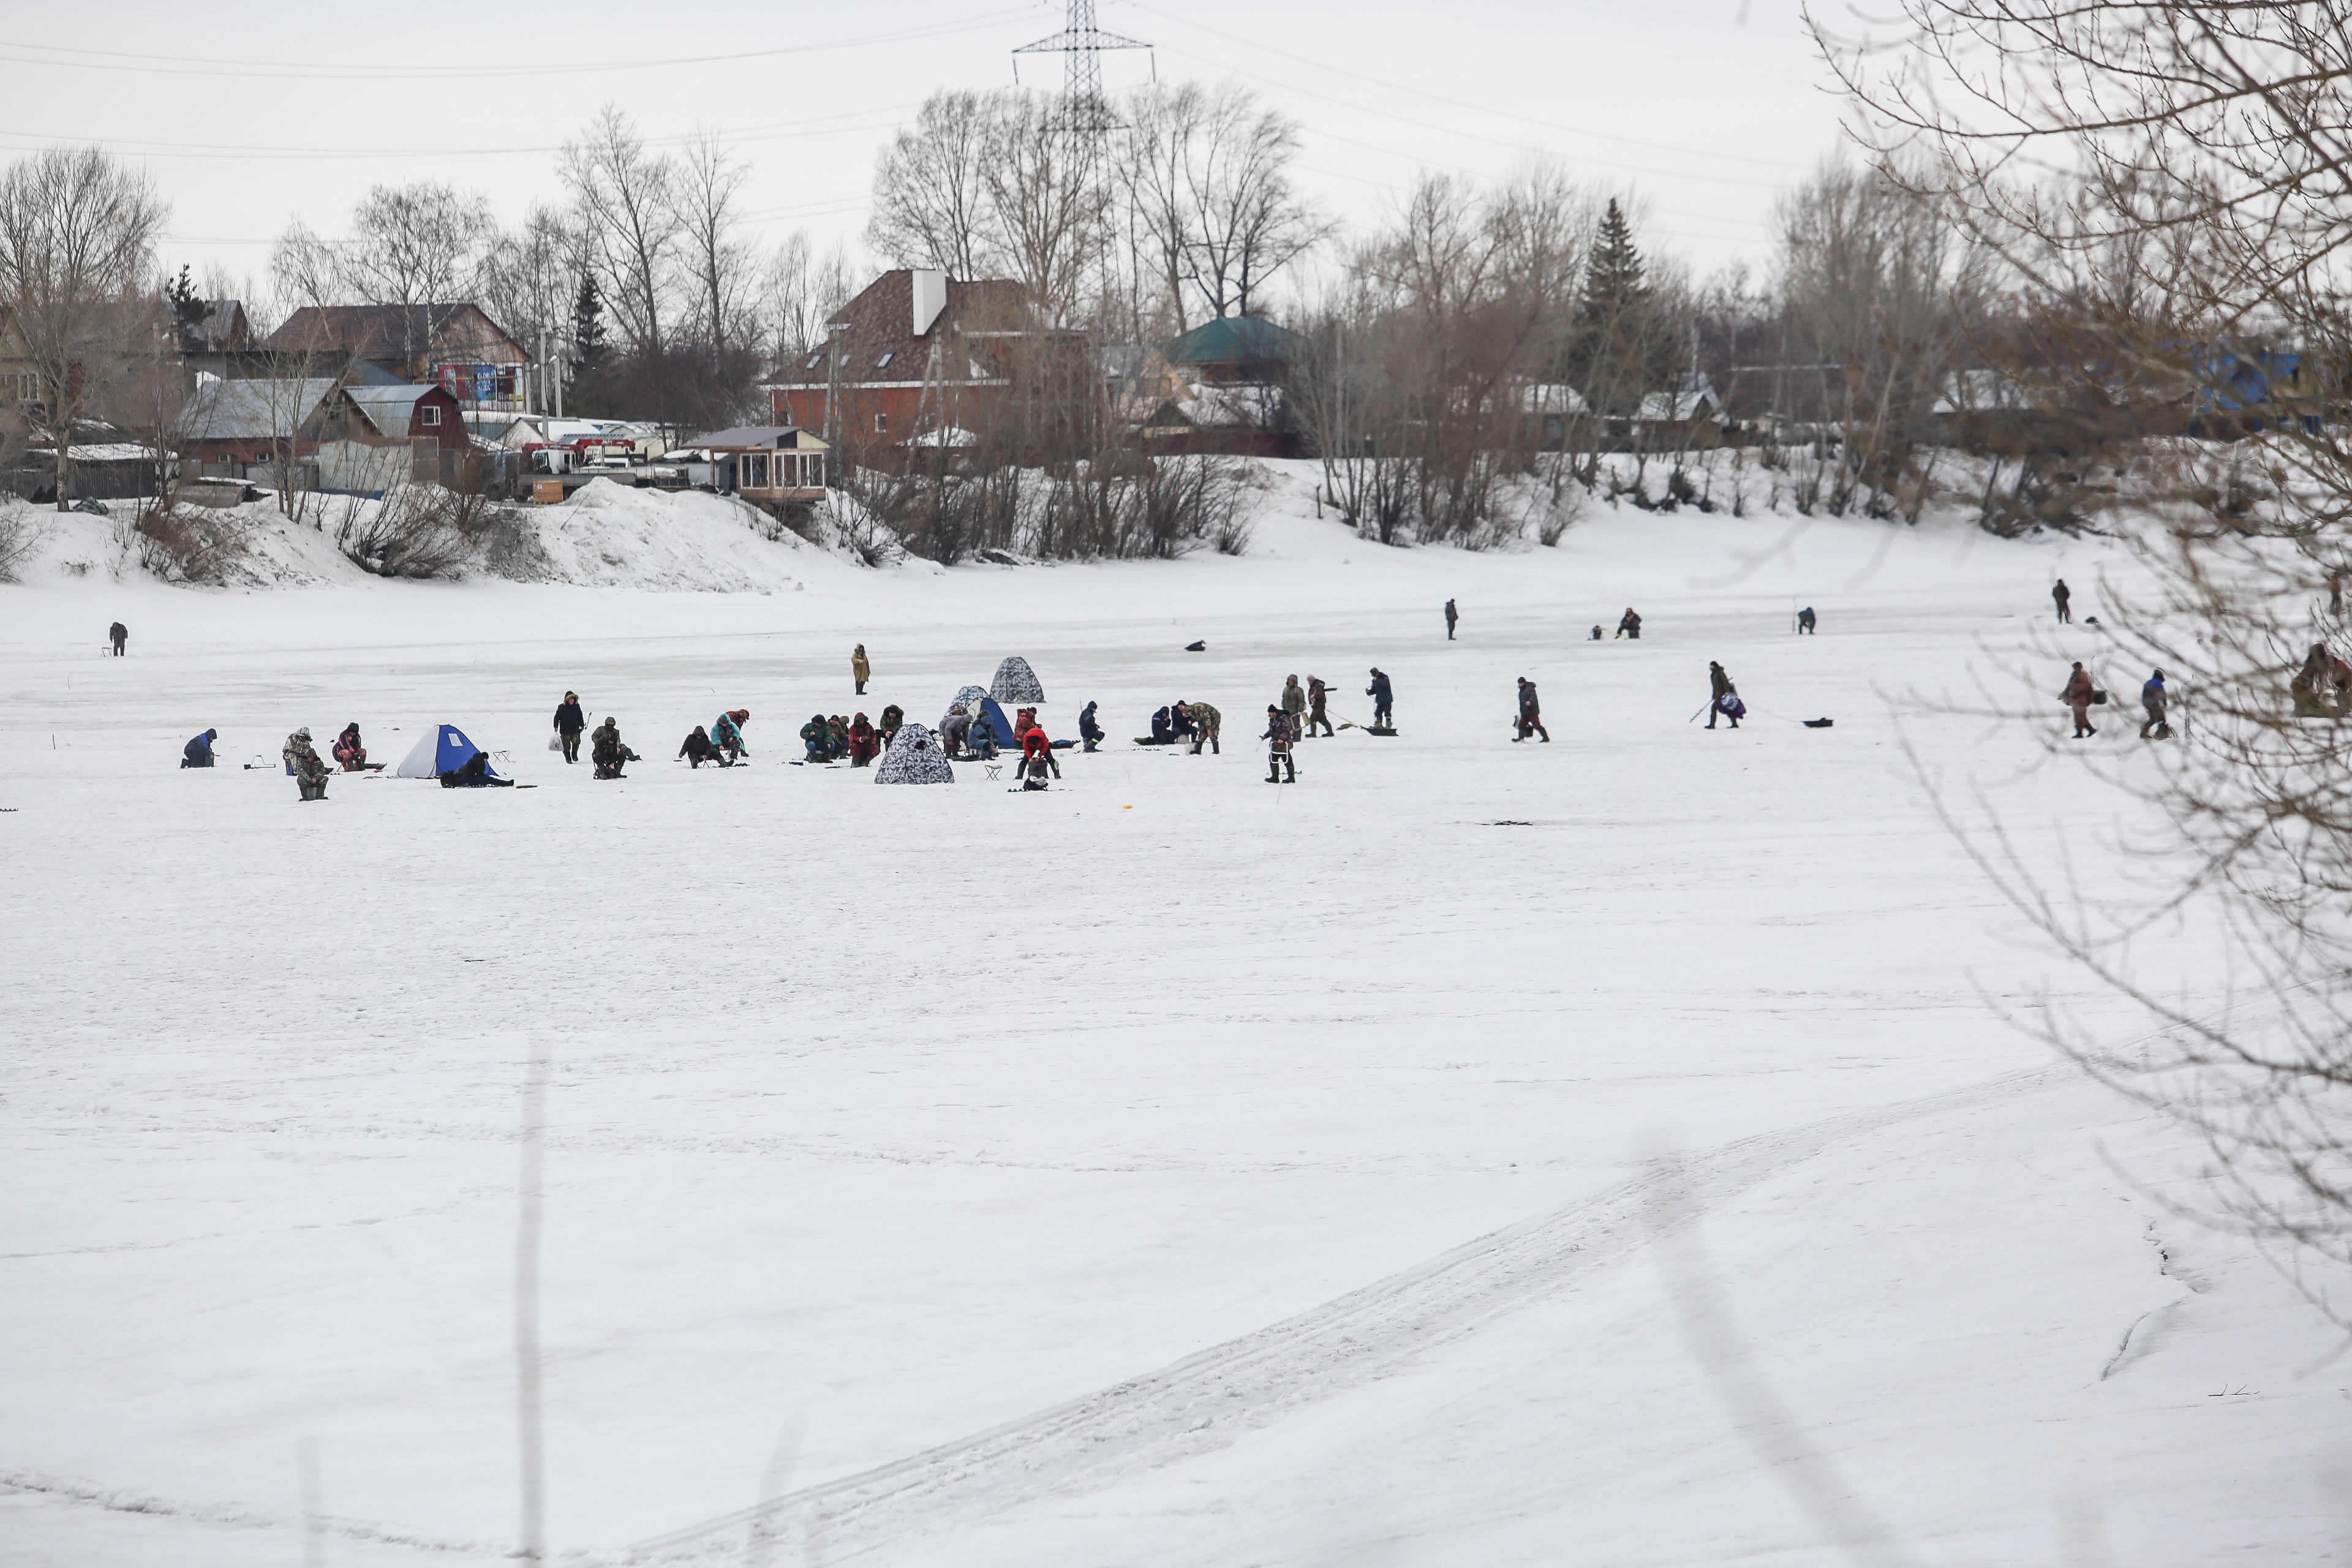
(882, 1118)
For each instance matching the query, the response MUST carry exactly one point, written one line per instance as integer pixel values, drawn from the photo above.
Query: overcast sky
(256, 111)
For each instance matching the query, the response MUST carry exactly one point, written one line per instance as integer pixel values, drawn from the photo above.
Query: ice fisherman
(198, 752)
(2152, 701)
(1383, 698)
(1805, 622)
(2077, 695)
(817, 739)
(1278, 738)
(569, 721)
(860, 670)
(863, 742)
(1724, 696)
(727, 734)
(2062, 596)
(350, 751)
(1453, 616)
(699, 748)
(607, 752)
(1530, 714)
(1629, 625)
(474, 773)
(1090, 729)
(118, 633)
(302, 760)
(1294, 703)
(1318, 695)
(1207, 725)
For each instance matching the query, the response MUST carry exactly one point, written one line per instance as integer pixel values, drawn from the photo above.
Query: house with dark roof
(767, 463)
(917, 351)
(1223, 387)
(453, 345)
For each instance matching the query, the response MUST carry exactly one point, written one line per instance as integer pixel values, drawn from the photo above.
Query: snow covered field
(1165, 1169)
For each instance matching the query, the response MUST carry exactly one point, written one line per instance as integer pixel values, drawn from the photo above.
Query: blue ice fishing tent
(996, 719)
(437, 751)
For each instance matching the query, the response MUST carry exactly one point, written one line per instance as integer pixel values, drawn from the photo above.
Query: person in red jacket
(1036, 754)
(863, 742)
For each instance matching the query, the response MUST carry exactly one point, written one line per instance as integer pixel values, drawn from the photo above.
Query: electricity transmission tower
(1086, 115)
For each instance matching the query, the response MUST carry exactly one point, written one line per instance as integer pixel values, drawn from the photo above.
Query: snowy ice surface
(1163, 1169)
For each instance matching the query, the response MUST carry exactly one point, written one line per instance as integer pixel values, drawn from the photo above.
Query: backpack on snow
(1730, 707)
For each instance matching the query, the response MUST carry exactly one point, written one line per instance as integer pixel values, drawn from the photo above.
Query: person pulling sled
(1724, 702)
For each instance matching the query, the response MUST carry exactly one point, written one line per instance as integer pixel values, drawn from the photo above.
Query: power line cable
(279, 70)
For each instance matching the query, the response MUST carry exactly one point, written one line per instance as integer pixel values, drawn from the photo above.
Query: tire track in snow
(1212, 1397)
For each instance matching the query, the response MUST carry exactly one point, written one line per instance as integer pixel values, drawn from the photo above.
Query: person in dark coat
(1163, 729)
(893, 718)
(1718, 681)
(607, 752)
(1596, 635)
(1180, 721)
(1452, 616)
(1383, 698)
(1530, 714)
(982, 740)
(2061, 596)
(1090, 729)
(2152, 701)
(474, 773)
(1318, 696)
(348, 751)
(837, 736)
(699, 748)
(817, 737)
(727, 734)
(1629, 625)
(1277, 738)
(118, 633)
(863, 742)
(1805, 622)
(198, 752)
(2076, 694)
(569, 722)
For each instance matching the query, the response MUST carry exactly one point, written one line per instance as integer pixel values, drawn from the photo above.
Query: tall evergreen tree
(585, 369)
(1613, 280)
(188, 308)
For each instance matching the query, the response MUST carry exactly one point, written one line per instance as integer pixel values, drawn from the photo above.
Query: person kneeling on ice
(198, 752)
(1181, 727)
(607, 752)
(817, 739)
(474, 773)
(699, 748)
(1090, 729)
(1530, 714)
(1278, 737)
(727, 734)
(1163, 732)
(310, 770)
(348, 751)
(863, 742)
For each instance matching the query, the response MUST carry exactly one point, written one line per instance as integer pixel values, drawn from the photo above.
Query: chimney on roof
(931, 298)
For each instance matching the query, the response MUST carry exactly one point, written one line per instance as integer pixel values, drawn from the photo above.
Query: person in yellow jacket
(859, 670)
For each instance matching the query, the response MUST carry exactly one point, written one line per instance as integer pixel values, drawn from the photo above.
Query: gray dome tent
(1016, 682)
(970, 695)
(914, 757)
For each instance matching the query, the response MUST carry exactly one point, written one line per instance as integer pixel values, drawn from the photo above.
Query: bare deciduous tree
(2170, 181)
(931, 189)
(626, 195)
(720, 264)
(78, 233)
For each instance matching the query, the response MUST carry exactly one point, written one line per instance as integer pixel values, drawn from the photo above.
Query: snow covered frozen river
(1165, 1169)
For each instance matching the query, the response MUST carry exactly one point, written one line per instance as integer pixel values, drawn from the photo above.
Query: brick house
(918, 352)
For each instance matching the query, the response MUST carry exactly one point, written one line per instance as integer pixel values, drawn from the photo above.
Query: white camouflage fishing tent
(1016, 682)
(971, 695)
(914, 757)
